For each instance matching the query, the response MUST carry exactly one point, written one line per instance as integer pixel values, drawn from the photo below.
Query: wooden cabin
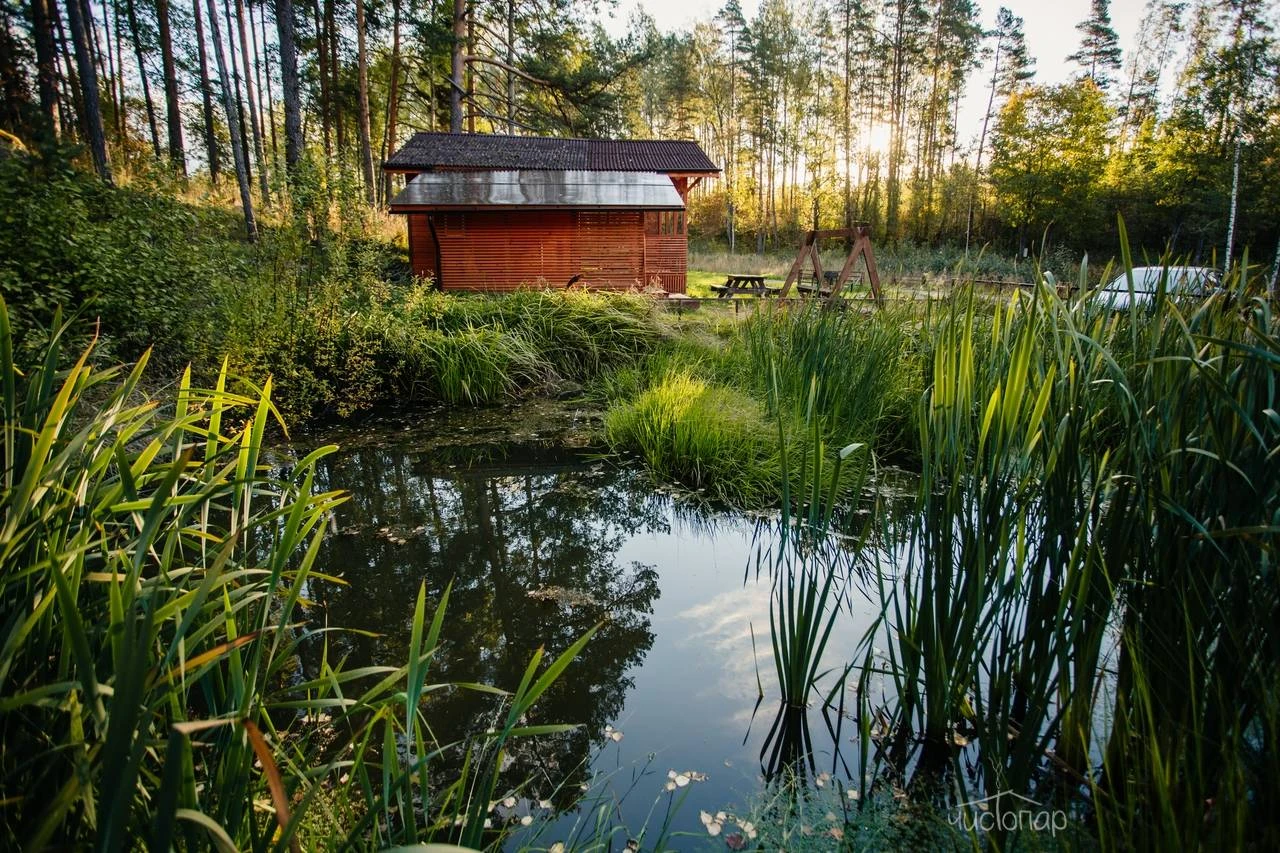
(493, 213)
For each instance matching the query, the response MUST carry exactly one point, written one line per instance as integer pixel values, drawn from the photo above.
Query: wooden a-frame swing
(860, 235)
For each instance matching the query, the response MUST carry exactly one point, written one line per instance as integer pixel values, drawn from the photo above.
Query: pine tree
(80, 19)
(1012, 67)
(173, 111)
(286, 32)
(238, 149)
(1099, 53)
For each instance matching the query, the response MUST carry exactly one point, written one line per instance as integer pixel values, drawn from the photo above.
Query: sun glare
(875, 139)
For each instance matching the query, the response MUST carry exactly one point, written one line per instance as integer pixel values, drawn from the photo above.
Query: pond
(542, 539)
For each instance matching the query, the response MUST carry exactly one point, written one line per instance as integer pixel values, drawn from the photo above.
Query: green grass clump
(870, 369)
(705, 436)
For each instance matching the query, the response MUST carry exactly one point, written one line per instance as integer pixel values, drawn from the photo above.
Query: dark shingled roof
(426, 151)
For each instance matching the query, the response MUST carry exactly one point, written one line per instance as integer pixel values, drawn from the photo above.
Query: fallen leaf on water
(735, 841)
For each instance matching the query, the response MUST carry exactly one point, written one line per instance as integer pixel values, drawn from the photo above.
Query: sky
(1050, 27)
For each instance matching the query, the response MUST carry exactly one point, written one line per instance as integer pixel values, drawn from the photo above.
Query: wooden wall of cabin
(502, 251)
(666, 248)
(422, 248)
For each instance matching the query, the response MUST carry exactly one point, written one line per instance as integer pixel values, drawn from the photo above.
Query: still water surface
(541, 542)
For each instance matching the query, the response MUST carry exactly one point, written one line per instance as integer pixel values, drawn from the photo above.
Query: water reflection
(541, 543)
(530, 541)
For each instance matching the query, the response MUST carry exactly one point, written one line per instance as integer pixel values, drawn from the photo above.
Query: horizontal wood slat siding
(505, 251)
(422, 249)
(666, 257)
(611, 249)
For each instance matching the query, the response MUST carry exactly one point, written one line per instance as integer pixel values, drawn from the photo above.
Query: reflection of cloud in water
(723, 626)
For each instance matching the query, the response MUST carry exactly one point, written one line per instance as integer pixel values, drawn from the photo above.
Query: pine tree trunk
(113, 79)
(335, 101)
(264, 91)
(255, 127)
(121, 104)
(511, 61)
(366, 147)
(982, 143)
(322, 52)
(206, 98)
(233, 124)
(173, 109)
(393, 98)
(91, 118)
(471, 75)
(46, 68)
(287, 34)
(68, 81)
(73, 96)
(243, 139)
(14, 95)
(131, 10)
(455, 65)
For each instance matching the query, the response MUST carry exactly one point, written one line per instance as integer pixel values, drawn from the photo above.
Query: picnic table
(747, 285)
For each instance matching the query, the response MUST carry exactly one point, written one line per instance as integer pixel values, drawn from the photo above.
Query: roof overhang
(537, 190)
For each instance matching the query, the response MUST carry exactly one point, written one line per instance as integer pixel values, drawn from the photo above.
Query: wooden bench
(745, 285)
(829, 277)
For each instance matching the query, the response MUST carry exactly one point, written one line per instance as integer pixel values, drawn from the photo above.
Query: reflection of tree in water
(499, 530)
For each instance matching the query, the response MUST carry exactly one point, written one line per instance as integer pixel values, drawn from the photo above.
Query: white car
(1180, 283)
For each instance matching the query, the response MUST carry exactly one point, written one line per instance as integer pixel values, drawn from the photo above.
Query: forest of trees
(819, 111)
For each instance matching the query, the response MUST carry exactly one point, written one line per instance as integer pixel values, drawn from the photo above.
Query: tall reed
(152, 690)
(1087, 597)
